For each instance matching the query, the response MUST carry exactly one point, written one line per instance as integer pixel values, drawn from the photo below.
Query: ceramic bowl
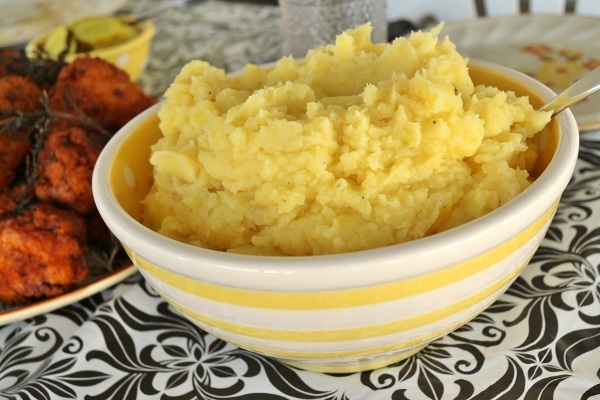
(344, 312)
(130, 56)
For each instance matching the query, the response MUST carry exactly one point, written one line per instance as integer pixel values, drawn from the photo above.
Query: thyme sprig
(35, 127)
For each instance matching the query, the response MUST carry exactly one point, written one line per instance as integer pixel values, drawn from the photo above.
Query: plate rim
(19, 313)
(486, 20)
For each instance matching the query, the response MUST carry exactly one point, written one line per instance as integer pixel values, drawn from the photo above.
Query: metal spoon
(590, 83)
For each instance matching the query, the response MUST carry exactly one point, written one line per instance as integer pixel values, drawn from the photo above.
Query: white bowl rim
(359, 268)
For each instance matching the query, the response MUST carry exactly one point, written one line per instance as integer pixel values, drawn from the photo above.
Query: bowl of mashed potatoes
(342, 211)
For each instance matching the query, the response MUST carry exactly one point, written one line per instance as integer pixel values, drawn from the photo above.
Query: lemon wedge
(88, 34)
(98, 32)
(57, 42)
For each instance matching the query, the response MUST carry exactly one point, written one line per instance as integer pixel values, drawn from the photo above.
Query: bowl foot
(356, 365)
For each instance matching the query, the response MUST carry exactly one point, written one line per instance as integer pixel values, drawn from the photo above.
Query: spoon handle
(585, 86)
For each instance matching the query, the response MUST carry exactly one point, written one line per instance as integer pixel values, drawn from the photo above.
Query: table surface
(540, 340)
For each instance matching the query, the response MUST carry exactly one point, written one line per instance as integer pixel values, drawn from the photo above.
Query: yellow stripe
(413, 346)
(362, 332)
(343, 298)
(355, 353)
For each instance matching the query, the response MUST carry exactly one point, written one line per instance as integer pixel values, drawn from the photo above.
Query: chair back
(455, 10)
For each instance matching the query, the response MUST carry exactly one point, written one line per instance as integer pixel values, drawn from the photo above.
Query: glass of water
(312, 23)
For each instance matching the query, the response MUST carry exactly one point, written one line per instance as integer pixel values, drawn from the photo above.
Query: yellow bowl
(130, 56)
(343, 312)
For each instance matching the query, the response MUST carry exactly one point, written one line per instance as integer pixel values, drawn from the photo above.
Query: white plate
(92, 286)
(555, 49)
(21, 20)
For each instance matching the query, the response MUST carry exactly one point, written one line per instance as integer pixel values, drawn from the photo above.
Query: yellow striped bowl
(345, 312)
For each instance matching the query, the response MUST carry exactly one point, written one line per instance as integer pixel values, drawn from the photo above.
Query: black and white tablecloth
(541, 340)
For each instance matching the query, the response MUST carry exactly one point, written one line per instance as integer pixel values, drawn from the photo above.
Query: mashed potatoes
(358, 146)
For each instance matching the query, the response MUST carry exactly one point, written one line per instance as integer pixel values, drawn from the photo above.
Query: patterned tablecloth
(541, 340)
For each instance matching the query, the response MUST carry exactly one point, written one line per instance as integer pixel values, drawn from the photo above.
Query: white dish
(23, 19)
(92, 286)
(555, 49)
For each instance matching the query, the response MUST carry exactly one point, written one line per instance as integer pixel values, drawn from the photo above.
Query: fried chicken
(66, 164)
(16, 94)
(13, 151)
(101, 91)
(47, 213)
(19, 93)
(12, 61)
(12, 197)
(43, 254)
(43, 71)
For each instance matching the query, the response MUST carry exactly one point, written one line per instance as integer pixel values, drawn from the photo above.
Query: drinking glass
(312, 23)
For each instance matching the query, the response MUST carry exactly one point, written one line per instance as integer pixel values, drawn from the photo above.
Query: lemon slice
(57, 42)
(98, 32)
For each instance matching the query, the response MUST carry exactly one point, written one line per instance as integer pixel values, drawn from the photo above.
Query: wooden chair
(453, 10)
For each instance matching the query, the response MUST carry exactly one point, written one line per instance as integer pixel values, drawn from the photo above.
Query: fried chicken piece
(16, 93)
(12, 197)
(20, 93)
(101, 91)
(66, 164)
(13, 151)
(43, 254)
(12, 61)
(42, 70)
